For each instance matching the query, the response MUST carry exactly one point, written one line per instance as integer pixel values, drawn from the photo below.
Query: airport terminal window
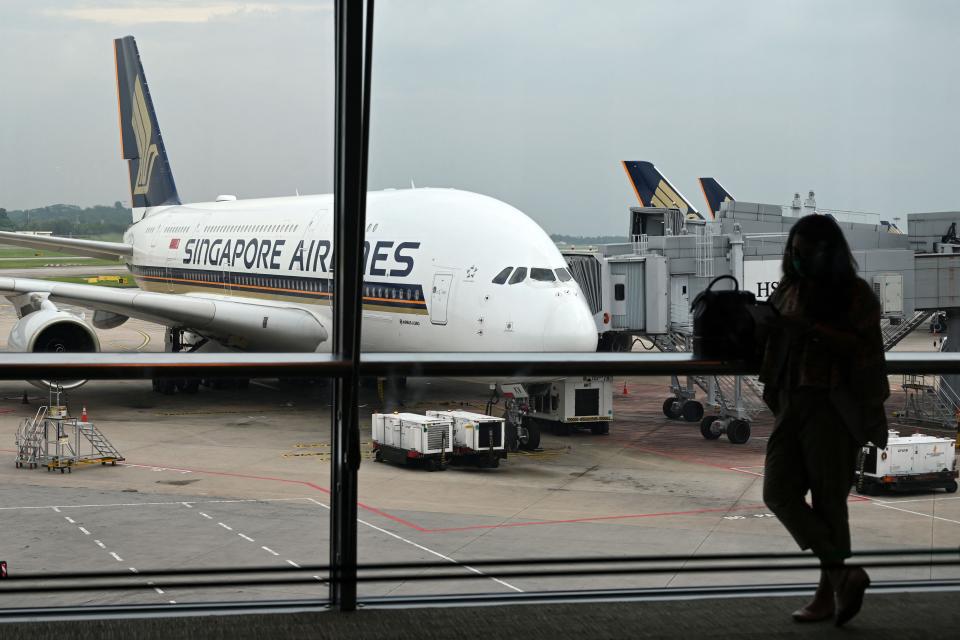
(542, 275)
(501, 277)
(519, 275)
(563, 275)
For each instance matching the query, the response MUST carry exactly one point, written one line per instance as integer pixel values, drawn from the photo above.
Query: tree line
(68, 219)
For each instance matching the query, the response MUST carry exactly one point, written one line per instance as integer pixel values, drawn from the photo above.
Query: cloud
(152, 14)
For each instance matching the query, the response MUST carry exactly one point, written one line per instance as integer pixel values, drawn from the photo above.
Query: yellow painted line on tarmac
(146, 339)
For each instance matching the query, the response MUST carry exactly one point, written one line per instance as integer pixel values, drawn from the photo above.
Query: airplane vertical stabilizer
(151, 181)
(714, 194)
(654, 190)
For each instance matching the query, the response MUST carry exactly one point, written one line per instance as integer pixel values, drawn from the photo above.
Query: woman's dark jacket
(843, 356)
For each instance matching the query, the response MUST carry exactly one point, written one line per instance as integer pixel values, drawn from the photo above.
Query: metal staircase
(29, 440)
(929, 400)
(894, 333)
(105, 451)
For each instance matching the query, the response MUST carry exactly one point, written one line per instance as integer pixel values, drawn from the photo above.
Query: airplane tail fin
(714, 194)
(654, 190)
(151, 181)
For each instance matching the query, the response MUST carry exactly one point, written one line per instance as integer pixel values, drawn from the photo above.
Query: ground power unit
(573, 402)
(477, 439)
(908, 463)
(409, 438)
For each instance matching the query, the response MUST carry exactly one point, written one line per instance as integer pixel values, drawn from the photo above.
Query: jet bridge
(642, 290)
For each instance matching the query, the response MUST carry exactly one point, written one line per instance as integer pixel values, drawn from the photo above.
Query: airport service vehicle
(478, 439)
(409, 438)
(572, 402)
(908, 463)
(444, 270)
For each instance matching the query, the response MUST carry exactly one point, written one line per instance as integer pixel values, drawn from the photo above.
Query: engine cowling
(50, 330)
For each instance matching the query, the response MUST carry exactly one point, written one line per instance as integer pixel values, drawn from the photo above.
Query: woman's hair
(825, 298)
(823, 230)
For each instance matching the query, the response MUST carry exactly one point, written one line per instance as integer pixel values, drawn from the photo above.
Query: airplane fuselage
(430, 259)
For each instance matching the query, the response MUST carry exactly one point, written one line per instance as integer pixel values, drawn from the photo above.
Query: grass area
(34, 262)
(125, 282)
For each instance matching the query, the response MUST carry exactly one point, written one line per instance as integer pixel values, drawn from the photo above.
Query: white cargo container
(407, 438)
(477, 438)
(908, 463)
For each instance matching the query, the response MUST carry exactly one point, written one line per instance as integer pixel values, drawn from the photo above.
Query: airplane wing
(90, 248)
(251, 325)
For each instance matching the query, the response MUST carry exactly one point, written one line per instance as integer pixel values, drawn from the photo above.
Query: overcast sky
(534, 103)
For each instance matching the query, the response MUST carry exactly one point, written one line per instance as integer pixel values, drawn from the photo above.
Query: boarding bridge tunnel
(643, 289)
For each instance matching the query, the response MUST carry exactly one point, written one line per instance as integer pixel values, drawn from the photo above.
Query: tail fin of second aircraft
(654, 190)
(714, 194)
(151, 181)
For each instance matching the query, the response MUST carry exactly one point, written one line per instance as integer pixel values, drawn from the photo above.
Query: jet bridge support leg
(951, 343)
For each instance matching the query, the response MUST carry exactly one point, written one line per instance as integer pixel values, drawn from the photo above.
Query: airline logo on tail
(714, 194)
(143, 132)
(654, 190)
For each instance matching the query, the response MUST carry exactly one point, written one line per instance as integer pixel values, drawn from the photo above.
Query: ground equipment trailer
(478, 440)
(908, 463)
(409, 438)
(567, 404)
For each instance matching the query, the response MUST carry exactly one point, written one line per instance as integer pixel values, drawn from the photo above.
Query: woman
(823, 370)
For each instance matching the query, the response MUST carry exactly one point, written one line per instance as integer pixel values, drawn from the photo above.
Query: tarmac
(240, 478)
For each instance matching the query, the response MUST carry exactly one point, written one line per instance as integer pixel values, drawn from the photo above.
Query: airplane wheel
(692, 411)
(531, 439)
(706, 428)
(738, 431)
(952, 487)
(189, 385)
(671, 408)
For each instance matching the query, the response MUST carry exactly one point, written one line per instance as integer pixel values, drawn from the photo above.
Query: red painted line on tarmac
(304, 483)
(657, 514)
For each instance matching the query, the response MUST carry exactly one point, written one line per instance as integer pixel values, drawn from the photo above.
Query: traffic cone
(625, 392)
(83, 414)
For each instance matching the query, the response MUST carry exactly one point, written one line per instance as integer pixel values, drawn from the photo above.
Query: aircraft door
(680, 301)
(439, 297)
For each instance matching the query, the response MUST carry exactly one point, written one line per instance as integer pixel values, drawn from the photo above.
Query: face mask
(797, 266)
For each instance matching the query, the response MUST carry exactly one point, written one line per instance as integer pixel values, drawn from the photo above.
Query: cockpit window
(563, 275)
(502, 276)
(542, 275)
(519, 275)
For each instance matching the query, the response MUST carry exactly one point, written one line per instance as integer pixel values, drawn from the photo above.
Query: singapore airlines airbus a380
(444, 270)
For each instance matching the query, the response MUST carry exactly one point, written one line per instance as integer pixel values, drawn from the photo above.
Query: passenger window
(502, 276)
(563, 275)
(619, 292)
(519, 275)
(542, 275)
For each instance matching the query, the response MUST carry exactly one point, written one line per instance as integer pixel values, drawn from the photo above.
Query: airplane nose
(570, 328)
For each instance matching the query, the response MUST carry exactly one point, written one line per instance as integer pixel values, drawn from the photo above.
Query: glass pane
(519, 275)
(542, 275)
(502, 276)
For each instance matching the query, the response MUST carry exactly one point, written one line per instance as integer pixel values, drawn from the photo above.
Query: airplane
(714, 194)
(654, 190)
(444, 269)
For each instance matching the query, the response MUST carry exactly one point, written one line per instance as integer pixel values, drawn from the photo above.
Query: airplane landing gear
(737, 430)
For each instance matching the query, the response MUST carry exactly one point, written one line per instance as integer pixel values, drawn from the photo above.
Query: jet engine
(50, 330)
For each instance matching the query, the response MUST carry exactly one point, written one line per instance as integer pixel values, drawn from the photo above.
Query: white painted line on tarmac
(187, 505)
(57, 509)
(916, 513)
(293, 564)
(319, 579)
(225, 526)
(173, 602)
(935, 498)
(246, 537)
(134, 570)
(116, 557)
(269, 550)
(70, 520)
(430, 551)
(84, 530)
(100, 544)
(208, 517)
(158, 590)
(264, 385)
